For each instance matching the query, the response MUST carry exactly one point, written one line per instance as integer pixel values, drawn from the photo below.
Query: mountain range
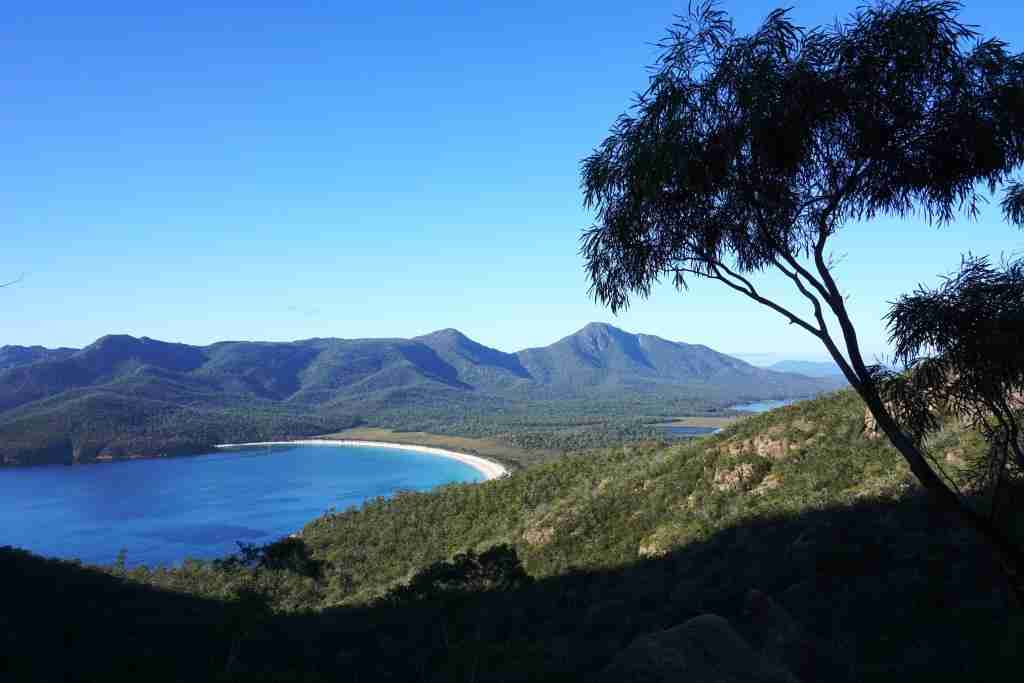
(13, 356)
(123, 395)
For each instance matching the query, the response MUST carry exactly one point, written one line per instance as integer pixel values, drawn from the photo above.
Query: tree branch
(825, 335)
(787, 254)
(833, 298)
(794, 276)
(748, 290)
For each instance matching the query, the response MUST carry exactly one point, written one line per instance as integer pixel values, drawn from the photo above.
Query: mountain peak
(597, 328)
(112, 349)
(446, 333)
(449, 337)
(113, 341)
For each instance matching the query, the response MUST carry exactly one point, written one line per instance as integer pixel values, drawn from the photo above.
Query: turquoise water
(161, 511)
(763, 406)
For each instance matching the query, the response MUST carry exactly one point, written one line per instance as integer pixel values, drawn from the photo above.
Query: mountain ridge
(181, 392)
(14, 355)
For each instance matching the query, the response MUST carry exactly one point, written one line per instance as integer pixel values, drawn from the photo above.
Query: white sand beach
(489, 468)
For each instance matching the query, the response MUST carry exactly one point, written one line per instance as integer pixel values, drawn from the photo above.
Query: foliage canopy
(964, 345)
(747, 153)
(760, 147)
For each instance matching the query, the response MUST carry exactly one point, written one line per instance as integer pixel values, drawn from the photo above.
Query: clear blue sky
(289, 170)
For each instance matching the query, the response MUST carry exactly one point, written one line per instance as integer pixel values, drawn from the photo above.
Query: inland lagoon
(763, 406)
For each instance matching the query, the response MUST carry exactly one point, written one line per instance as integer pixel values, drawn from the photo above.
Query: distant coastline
(489, 468)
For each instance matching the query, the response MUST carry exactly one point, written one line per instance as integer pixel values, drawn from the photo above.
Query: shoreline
(489, 468)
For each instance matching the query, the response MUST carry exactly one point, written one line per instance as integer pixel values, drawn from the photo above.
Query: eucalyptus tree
(746, 153)
(963, 346)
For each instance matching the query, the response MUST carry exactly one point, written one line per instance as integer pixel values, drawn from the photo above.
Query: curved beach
(488, 468)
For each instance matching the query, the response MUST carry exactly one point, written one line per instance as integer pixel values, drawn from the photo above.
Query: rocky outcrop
(774, 449)
(871, 430)
(733, 478)
(769, 445)
(772, 481)
(651, 548)
(705, 649)
(786, 643)
(539, 536)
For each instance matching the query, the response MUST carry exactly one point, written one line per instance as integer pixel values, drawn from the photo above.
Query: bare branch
(795, 277)
(748, 290)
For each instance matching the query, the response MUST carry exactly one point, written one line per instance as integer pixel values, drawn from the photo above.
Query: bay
(163, 510)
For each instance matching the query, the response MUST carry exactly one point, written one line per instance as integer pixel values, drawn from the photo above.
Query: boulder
(704, 649)
(784, 641)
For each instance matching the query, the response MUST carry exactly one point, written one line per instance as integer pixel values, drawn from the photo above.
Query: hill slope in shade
(797, 503)
(123, 394)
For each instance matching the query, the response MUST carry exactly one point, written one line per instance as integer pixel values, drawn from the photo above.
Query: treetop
(744, 150)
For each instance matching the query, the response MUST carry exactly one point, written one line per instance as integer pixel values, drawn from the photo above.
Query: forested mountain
(605, 357)
(125, 395)
(13, 356)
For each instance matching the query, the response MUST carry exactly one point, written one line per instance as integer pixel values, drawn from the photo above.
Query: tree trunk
(1009, 555)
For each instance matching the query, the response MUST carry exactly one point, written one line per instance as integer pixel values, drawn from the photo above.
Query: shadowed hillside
(872, 582)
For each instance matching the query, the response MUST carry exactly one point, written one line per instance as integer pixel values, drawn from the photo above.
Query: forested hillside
(125, 396)
(13, 356)
(551, 573)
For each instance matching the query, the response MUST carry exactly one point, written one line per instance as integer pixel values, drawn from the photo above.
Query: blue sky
(291, 170)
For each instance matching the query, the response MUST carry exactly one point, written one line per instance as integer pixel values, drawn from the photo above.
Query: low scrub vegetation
(548, 573)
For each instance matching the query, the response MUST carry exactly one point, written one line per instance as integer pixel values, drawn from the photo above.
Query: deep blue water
(763, 406)
(163, 510)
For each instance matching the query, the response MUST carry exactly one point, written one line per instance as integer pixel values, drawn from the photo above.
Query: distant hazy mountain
(123, 394)
(808, 368)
